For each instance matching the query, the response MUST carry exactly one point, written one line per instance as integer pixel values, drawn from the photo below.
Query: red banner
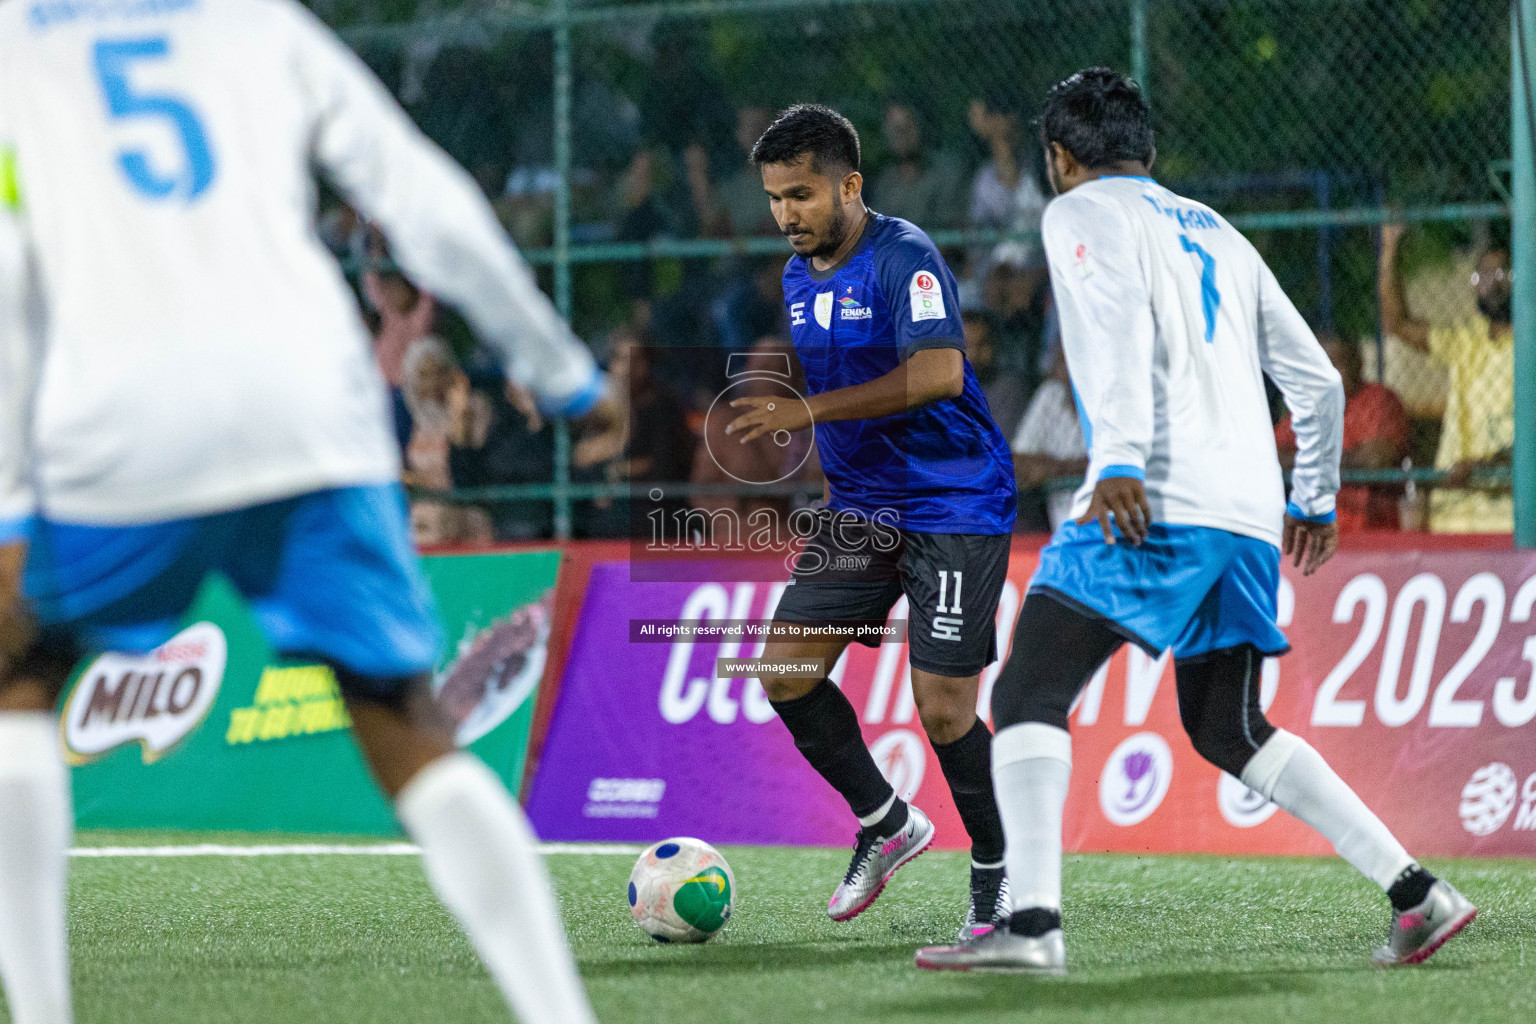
(1411, 673)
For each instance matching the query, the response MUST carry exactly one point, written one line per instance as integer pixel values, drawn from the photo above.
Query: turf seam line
(321, 850)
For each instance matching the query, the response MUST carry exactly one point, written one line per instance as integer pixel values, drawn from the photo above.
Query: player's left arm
(1289, 352)
(931, 375)
(924, 307)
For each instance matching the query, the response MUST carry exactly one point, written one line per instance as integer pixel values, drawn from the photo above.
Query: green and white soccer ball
(681, 890)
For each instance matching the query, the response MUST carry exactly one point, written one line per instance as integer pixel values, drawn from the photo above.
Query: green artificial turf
(1164, 939)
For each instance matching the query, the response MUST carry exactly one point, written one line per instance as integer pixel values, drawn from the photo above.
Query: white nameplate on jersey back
(824, 310)
(156, 698)
(927, 297)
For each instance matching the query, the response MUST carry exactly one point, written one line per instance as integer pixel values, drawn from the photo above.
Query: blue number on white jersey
(114, 59)
(1210, 298)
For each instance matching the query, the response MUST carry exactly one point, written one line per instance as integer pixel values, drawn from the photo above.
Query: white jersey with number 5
(1170, 319)
(174, 339)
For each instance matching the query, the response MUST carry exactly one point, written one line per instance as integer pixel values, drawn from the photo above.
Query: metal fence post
(1139, 47)
(1522, 234)
(562, 98)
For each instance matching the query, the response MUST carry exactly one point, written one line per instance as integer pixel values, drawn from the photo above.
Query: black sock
(1034, 922)
(967, 765)
(1410, 889)
(894, 821)
(826, 730)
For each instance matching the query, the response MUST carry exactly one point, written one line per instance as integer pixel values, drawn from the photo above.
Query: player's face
(809, 207)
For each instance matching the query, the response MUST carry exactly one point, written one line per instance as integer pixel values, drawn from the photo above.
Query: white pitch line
(321, 850)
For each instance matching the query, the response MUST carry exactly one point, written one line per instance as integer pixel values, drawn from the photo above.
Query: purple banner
(646, 743)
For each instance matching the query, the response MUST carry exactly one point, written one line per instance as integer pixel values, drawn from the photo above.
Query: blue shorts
(1193, 588)
(330, 575)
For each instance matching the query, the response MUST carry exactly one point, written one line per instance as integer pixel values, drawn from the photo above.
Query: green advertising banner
(213, 731)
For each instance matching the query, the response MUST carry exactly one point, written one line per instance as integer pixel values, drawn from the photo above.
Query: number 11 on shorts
(954, 607)
(944, 627)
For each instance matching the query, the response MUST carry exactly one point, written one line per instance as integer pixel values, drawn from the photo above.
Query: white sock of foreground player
(481, 859)
(1031, 768)
(1288, 771)
(35, 826)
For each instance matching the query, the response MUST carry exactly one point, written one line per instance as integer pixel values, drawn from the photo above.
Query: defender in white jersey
(1170, 320)
(186, 388)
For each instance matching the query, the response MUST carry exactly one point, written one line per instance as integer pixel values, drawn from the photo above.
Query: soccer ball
(681, 890)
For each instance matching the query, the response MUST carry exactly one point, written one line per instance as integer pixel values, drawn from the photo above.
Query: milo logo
(156, 698)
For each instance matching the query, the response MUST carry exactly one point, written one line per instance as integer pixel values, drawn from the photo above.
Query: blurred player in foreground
(1170, 319)
(921, 500)
(188, 389)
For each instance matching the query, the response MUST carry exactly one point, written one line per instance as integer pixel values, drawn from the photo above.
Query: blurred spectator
(737, 206)
(652, 444)
(1005, 194)
(660, 447)
(682, 100)
(437, 523)
(1479, 426)
(1007, 390)
(923, 188)
(1019, 301)
(497, 436)
(751, 306)
(1375, 437)
(433, 386)
(429, 375)
(1049, 443)
(405, 314)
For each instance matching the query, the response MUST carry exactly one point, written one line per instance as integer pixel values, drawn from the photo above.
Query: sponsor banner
(213, 731)
(1411, 672)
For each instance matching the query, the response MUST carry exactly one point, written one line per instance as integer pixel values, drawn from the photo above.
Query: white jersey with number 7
(1170, 319)
(174, 339)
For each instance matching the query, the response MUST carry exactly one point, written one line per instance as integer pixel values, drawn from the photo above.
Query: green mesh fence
(610, 139)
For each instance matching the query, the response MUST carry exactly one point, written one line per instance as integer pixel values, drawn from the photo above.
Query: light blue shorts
(330, 575)
(1192, 588)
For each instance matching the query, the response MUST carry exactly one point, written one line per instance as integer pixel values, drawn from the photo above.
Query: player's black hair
(1100, 117)
(826, 135)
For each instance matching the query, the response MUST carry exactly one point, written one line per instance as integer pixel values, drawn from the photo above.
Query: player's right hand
(1122, 499)
(1311, 544)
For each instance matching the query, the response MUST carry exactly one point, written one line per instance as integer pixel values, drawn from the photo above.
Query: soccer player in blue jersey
(921, 499)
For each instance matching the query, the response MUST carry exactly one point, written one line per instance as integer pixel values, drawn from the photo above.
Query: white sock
(481, 859)
(1031, 768)
(1288, 771)
(35, 825)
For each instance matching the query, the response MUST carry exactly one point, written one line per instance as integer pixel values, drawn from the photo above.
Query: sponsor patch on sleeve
(927, 297)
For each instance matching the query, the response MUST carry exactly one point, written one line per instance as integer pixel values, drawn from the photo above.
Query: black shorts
(853, 570)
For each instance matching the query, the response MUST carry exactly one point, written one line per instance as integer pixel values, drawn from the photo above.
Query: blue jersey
(940, 468)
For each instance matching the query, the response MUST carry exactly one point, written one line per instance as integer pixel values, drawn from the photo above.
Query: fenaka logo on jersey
(852, 308)
(156, 699)
(823, 310)
(927, 298)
